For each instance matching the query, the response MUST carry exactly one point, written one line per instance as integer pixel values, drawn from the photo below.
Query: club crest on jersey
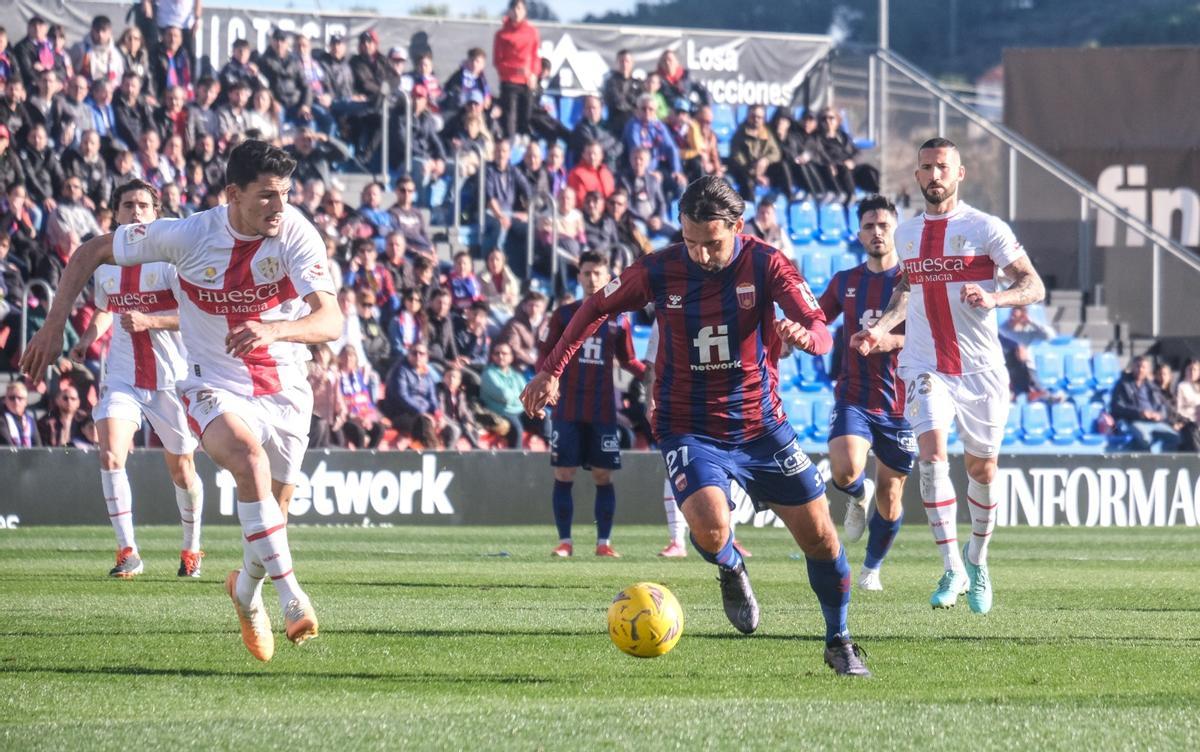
(612, 287)
(135, 234)
(152, 279)
(674, 301)
(110, 284)
(269, 267)
(745, 295)
(958, 242)
(908, 246)
(209, 274)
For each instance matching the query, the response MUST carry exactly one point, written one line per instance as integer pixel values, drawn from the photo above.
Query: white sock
(983, 520)
(118, 497)
(250, 579)
(676, 524)
(266, 533)
(603, 541)
(941, 506)
(191, 507)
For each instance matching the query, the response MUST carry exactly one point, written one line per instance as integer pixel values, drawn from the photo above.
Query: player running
(584, 423)
(952, 363)
(676, 524)
(718, 417)
(869, 411)
(256, 290)
(145, 359)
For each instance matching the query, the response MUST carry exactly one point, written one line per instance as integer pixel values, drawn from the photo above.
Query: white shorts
(279, 421)
(979, 401)
(162, 407)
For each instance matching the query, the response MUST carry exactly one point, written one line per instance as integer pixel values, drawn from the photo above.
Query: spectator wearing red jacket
(517, 60)
(591, 174)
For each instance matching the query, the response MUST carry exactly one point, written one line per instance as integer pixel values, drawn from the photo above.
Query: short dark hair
(533, 296)
(100, 23)
(711, 198)
(253, 158)
(937, 142)
(475, 53)
(362, 244)
(876, 203)
(478, 305)
(592, 257)
(135, 185)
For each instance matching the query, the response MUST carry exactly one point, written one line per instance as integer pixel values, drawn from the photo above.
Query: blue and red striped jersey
(715, 370)
(586, 392)
(861, 296)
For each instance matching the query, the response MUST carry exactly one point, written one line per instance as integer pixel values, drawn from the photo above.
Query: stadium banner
(1116, 116)
(737, 68)
(514, 488)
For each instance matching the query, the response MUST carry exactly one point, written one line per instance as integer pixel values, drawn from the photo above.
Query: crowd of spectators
(434, 352)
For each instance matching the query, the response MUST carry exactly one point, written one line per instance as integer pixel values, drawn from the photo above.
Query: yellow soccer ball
(645, 620)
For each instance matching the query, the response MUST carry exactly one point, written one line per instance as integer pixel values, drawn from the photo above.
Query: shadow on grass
(416, 678)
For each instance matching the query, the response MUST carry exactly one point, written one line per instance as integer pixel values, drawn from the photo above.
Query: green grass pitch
(432, 640)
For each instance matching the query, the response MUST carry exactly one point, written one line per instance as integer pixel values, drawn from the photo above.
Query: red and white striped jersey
(226, 279)
(940, 254)
(152, 359)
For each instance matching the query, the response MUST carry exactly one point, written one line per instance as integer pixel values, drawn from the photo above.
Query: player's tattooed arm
(1027, 287)
(874, 339)
(136, 321)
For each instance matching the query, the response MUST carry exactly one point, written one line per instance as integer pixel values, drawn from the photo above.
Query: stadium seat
(1088, 433)
(1077, 372)
(724, 123)
(845, 260)
(802, 221)
(831, 218)
(1048, 362)
(822, 407)
(1064, 423)
(789, 372)
(852, 226)
(798, 406)
(1035, 423)
(815, 267)
(811, 372)
(1106, 370)
(570, 111)
(1012, 428)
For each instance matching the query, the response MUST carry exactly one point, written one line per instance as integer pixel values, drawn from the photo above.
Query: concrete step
(1096, 313)
(1066, 298)
(1097, 331)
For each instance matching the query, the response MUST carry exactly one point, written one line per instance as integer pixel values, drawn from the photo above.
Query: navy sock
(879, 539)
(727, 557)
(830, 580)
(853, 489)
(606, 507)
(564, 508)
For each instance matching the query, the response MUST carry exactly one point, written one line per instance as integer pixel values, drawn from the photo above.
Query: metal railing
(547, 199)
(470, 146)
(385, 164)
(1014, 147)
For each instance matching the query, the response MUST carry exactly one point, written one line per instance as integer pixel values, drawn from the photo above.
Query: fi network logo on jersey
(592, 351)
(714, 338)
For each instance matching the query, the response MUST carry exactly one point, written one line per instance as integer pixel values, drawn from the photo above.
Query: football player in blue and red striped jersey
(584, 424)
(718, 417)
(869, 408)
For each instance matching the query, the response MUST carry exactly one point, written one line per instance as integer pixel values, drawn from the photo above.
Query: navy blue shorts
(574, 443)
(772, 468)
(892, 439)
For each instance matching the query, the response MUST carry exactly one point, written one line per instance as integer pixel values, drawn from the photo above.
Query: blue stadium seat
(1106, 370)
(724, 123)
(1012, 428)
(1035, 423)
(816, 268)
(741, 112)
(641, 340)
(1077, 372)
(570, 111)
(852, 225)
(822, 407)
(789, 371)
(831, 218)
(802, 221)
(798, 406)
(811, 372)
(1064, 423)
(1048, 362)
(1088, 435)
(845, 260)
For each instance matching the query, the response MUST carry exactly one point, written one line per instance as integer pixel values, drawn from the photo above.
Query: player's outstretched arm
(869, 340)
(136, 321)
(47, 344)
(322, 324)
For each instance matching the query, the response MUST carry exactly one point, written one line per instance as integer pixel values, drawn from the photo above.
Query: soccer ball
(645, 620)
